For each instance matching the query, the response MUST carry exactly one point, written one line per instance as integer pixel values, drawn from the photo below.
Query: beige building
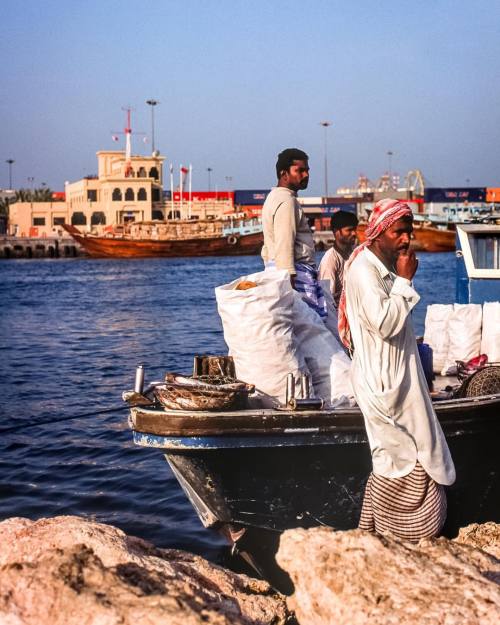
(121, 192)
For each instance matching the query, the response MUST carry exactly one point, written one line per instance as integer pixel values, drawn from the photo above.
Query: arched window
(155, 195)
(78, 219)
(142, 195)
(153, 173)
(129, 195)
(141, 173)
(98, 219)
(157, 215)
(174, 214)
(117, 195)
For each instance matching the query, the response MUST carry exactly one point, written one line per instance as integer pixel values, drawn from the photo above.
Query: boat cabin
(478, 264)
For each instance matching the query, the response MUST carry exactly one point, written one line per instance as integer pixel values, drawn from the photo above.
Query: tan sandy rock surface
(357, 578)
(70, 571)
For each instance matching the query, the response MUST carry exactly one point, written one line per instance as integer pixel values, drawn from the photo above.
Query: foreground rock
(69, 571)
(351, 578)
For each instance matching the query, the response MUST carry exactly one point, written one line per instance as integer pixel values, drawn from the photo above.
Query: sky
(239, 81)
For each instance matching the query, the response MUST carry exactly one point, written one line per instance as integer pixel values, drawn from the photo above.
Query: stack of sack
(271, 332)
(462, 332)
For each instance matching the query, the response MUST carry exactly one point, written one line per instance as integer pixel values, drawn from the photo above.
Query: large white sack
(332, 321)
(490, 338)
(258, 330)
(436, 333)
(326, 360)
(464, 327)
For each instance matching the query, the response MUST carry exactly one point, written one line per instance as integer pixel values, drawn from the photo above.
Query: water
(71, 334)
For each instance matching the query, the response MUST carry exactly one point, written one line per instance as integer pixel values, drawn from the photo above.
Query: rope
(11, 428)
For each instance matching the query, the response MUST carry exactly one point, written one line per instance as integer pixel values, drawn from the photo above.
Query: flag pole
(172, 189)
(190, 190)
(181, 190)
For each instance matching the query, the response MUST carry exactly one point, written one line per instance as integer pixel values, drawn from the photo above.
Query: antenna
(127, 131)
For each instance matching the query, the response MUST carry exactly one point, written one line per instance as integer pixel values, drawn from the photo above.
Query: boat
(251, 474)
(174, 238)
(426, 238)
(254, 473)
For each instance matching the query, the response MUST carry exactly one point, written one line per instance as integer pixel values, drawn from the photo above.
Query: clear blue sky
(238, 81)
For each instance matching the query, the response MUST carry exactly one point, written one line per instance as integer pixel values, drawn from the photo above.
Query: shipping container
(244, 197)
(455, 194)
(305, 201)
(204, 196)
(493, 194)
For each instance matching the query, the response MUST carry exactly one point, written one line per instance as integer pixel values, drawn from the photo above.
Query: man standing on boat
(331, 267)
(411, 460)
(288, 239)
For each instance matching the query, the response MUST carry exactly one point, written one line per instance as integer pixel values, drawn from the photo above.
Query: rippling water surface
(71, 334)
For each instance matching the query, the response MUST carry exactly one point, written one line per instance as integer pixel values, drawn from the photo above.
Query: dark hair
(286, 158)
(343, 219)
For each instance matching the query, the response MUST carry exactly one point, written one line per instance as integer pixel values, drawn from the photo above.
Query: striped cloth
(410, 507)
(306, 283)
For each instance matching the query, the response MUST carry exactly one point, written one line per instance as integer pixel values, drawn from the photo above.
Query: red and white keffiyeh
(385, 213)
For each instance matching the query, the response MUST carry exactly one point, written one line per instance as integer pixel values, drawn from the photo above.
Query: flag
(184, 170)
(115, 138)
(171, 168)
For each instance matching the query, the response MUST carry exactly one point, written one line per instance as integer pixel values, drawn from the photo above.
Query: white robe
(387, 377)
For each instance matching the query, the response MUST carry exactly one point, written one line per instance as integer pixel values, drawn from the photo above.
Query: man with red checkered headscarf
(411, 461)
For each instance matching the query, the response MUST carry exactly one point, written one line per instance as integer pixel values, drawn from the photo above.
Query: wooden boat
(253, 473)
(425, 238)
(174, 239)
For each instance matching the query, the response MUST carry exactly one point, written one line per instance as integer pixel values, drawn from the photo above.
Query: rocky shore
(72, 571)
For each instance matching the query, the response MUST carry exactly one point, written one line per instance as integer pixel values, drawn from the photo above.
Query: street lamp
(10, 161)
(389, 154)
(209, 170)
(325, 126)
(152, 103)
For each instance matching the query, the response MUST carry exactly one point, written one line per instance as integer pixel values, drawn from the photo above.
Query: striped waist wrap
(306, 283)
(410, 507)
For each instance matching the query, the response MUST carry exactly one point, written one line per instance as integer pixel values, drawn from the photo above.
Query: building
(123, 191)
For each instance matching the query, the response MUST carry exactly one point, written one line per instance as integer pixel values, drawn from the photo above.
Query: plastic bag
(436, 333)
(464, 328)
(490, 337)
(258, 330)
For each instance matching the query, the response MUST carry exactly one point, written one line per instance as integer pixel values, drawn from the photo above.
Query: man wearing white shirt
(411, 461)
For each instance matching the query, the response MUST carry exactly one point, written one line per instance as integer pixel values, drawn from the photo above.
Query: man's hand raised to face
(406, 264)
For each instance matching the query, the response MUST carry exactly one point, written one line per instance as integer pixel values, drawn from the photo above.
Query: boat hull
(115, 247)
(280, 470)
(426, 238)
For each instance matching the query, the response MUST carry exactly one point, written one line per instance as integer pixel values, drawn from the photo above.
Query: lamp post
(389, 155)
(10, 162)
(325, 126)
(152, 103)
(209, 171)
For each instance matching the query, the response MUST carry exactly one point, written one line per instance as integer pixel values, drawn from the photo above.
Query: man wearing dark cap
(288, 239)
(331, 268)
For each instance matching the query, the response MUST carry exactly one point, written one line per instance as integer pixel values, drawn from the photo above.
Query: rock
(354, 578)
(70, 571)
(485, 536)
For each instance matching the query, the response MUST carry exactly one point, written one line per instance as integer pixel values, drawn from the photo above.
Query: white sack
(332, 321)
(490, 339)
(258, 330)
(326, 360)
(464, 327)
(436, 333)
